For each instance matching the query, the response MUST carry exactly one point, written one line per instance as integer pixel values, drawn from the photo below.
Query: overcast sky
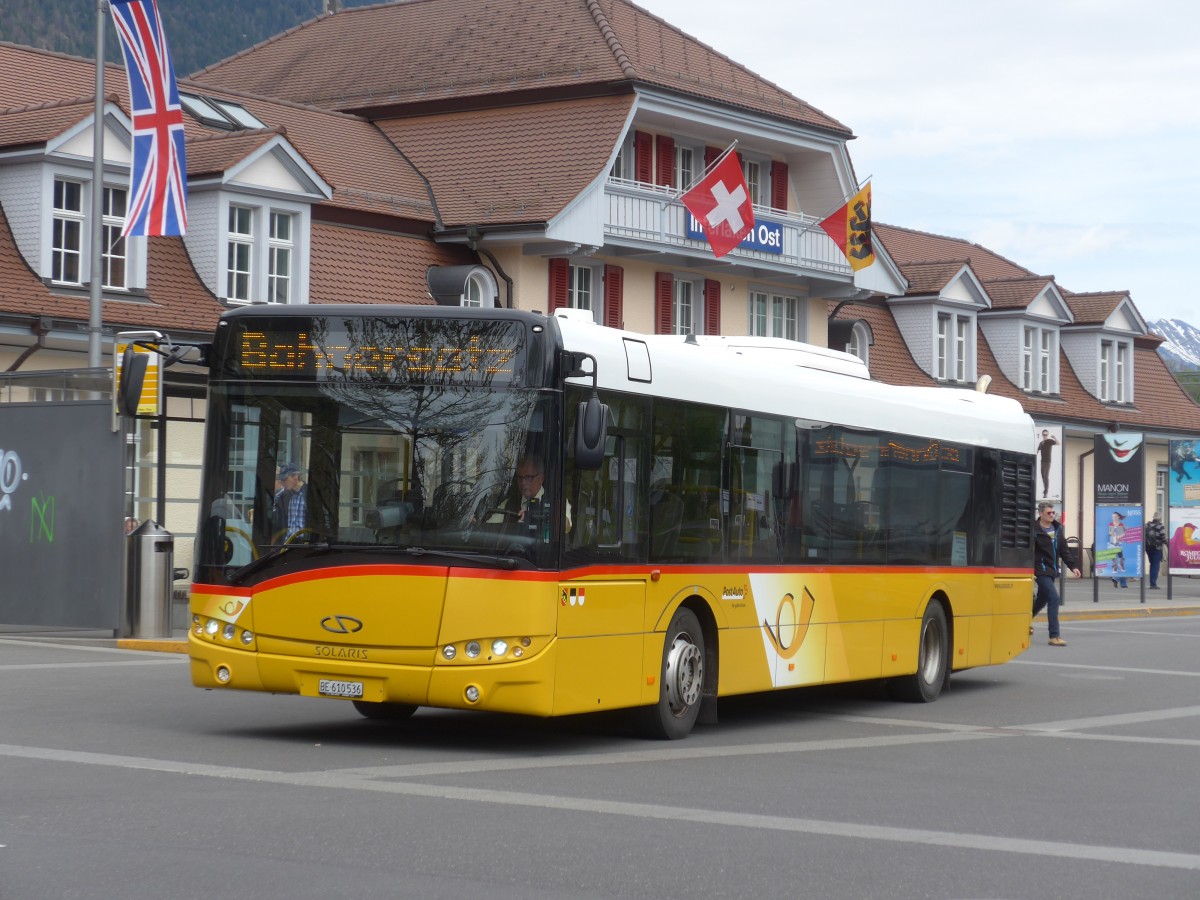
(1062, 134)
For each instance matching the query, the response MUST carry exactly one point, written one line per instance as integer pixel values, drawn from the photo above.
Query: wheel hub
(685, 675)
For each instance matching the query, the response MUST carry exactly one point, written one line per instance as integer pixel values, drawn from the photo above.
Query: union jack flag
(158, 186)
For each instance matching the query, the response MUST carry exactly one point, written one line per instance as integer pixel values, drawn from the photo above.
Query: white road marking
(354, 782)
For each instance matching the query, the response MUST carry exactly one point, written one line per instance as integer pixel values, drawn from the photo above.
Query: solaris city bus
(716, 516)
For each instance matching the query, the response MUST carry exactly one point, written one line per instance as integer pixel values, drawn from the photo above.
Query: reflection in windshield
(373, 468)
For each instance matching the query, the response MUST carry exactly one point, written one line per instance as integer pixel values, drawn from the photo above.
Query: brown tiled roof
(214, 153)
(931, 277)
(430, 51)
(890, 358)
(1094, 308)
(396, 273)
(905, 245)
(366, 172)
(1163, 405)
(1015, 293)
(512, 164)
(177, 298)
(43, 122)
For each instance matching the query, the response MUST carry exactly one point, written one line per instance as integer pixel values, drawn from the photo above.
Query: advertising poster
(1119, 467)
(1184, 476)
(1048, 440)
(1183, 515)
(1118, 541)
(1183, 541)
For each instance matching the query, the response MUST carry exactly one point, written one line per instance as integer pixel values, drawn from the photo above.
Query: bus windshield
(414, 472)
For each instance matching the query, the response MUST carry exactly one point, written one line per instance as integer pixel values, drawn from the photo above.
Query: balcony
(649, 217)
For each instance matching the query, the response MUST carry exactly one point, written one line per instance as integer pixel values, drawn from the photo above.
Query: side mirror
(591, 433)
(133, 376)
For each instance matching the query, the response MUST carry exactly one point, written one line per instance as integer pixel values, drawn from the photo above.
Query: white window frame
(623, 162)
(689, 163)
(280, 252)
(1114, 373)
(860, 342)
(115, 246)
(257, 277)
(1121, 374)
(65, 219)
(962, 334)
(1039, 360)
(49, 250)
(774, 315)
(239, 253)
(687, 294)
(954, 347)
(757, 172)
(942, 355)
(1104, 371)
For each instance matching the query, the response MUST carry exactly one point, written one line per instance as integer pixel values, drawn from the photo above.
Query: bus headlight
(472, 649)
(449, 651)
(229, 631)
(499, 647)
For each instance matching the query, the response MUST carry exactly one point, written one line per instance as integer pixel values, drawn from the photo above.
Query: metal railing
(649, 215)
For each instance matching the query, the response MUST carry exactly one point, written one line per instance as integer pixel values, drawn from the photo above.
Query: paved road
(1068, 773)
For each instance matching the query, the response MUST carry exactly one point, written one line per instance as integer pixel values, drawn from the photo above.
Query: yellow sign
(150, 399)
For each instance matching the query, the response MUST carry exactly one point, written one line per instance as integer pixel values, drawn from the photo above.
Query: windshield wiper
(504, 562)
(274, 553)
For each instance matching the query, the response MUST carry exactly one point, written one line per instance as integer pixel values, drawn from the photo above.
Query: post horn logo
(791, 624)
(341, 624)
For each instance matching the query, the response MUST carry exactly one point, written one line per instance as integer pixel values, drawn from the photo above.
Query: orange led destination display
(425, 351)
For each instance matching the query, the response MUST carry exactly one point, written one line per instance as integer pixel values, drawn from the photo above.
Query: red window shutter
(665, 164)
(614, 293)
(710, 155)
(712, 306)
(560, 277)
(643, 154)
(664, 295)
(779, 185)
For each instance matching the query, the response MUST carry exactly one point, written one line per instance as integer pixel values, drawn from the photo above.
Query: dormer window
(1039, 354)
(955, 341)
(1115, 372)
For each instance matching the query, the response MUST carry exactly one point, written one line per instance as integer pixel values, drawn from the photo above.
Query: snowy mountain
(1182, 347)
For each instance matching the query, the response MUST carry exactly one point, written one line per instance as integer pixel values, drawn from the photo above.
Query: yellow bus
(410, 506)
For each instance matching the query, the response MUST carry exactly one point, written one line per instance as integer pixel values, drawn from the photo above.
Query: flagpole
(808, 226)
(95, 323)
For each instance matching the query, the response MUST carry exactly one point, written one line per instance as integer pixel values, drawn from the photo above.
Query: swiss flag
(721, 203)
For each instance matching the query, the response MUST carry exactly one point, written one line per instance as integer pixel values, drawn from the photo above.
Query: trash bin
(150, 582)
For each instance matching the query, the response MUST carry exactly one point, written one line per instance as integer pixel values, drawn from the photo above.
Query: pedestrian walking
(1049, 546)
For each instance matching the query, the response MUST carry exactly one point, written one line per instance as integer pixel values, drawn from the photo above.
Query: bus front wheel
(681, 680)
(389, 712)
(933, 660)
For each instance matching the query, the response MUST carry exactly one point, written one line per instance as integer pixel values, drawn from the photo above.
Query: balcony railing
(646, 215)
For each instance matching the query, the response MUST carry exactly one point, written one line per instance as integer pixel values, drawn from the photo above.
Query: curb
(163, 646)
(1131, 613)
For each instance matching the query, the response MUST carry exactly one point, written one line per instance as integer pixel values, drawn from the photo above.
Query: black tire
(933, 661)
(387, 712)
(681, 681)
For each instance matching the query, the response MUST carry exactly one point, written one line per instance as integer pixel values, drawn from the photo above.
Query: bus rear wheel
(933, 661)
(681, 681)
(387, 712)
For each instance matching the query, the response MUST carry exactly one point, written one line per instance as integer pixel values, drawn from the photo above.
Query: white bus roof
(811, 384)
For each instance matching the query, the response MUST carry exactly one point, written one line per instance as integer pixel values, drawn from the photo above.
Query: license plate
(329, 688)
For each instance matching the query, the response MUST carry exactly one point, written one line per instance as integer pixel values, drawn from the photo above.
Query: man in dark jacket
(1049, 546)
